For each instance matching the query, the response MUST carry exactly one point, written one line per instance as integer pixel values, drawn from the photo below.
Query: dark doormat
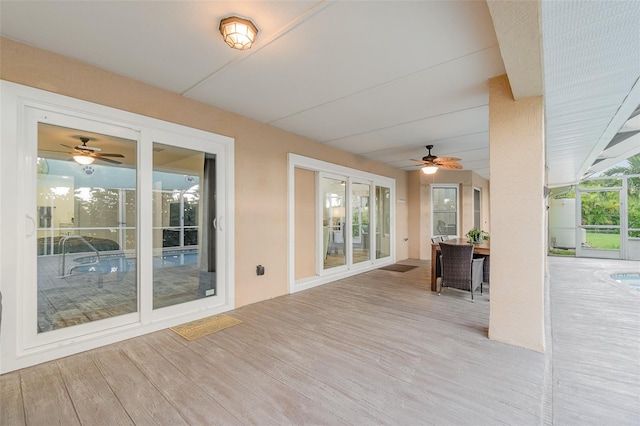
(397, 267)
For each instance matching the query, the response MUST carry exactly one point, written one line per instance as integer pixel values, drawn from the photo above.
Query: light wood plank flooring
(377, 348)
(595, 351)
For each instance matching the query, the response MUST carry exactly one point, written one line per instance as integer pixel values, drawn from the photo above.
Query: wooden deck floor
(377, 348)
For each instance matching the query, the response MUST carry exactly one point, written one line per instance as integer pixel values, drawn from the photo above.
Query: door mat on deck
(205, 326)
(397, 267)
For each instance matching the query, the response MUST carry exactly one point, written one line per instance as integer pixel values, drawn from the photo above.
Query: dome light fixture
(429, 170)
(238, 33)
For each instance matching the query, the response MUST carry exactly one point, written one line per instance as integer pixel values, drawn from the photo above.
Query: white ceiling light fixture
(238, 33)
(83, 159)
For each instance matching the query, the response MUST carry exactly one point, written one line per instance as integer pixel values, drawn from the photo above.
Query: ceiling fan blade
(106, 160)
(449, 166)
(67, 146)
(50, 150)
(111, 155)
(419, 161)
(447, 159)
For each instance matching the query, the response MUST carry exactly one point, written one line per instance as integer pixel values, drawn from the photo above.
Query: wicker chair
(437, 240)
(486, 268)
(459, 269)
(485, 274)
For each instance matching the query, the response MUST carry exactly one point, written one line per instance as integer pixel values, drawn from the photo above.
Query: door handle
(33, 225)
(220, 223)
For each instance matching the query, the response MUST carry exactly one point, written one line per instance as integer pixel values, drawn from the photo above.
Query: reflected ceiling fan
(85, 154)
(433, 163)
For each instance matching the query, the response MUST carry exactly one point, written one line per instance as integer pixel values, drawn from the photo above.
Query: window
(444, 210)
(476, 208)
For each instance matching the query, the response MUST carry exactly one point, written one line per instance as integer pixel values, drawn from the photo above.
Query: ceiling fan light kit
(432, 163)
(238, 33)
(85, 154)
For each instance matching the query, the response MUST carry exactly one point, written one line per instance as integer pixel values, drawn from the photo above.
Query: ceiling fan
(85, 154)
(432, 163)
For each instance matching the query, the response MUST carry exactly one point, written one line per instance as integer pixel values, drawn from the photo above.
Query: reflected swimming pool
(632, 280)
(117, 262)
(175, 258)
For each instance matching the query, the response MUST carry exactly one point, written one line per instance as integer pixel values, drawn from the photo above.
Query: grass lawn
(560, 252)
(603, 241)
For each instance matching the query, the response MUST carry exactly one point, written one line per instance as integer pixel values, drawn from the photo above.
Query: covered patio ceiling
(378, 79)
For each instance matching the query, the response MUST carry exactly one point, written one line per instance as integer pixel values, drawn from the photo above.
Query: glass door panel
(184, 240)
(383, 222)
(86, 227)
(333, 221)
(361, 244)
(599, 232)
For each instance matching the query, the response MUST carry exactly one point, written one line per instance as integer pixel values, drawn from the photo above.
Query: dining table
(482, 248)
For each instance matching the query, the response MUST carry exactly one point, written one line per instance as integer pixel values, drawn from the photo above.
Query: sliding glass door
(86, 221)
(112, 246)
(354, 222)
(353, 228)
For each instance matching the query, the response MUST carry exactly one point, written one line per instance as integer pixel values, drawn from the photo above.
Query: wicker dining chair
(459, 269)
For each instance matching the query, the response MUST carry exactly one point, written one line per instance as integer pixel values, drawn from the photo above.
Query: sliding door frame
(20, 346)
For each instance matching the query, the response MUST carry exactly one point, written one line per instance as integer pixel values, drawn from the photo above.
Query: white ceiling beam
(517, 26)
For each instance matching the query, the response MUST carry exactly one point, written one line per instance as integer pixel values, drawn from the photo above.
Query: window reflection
(184, 259)
(383, 222)
(86, 233)
(360, 233)
(333, 222)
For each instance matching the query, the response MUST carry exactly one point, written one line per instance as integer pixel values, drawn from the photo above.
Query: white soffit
(592, 67)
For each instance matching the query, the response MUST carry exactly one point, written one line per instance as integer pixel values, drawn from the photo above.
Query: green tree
(633, 190)
(632, 169)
